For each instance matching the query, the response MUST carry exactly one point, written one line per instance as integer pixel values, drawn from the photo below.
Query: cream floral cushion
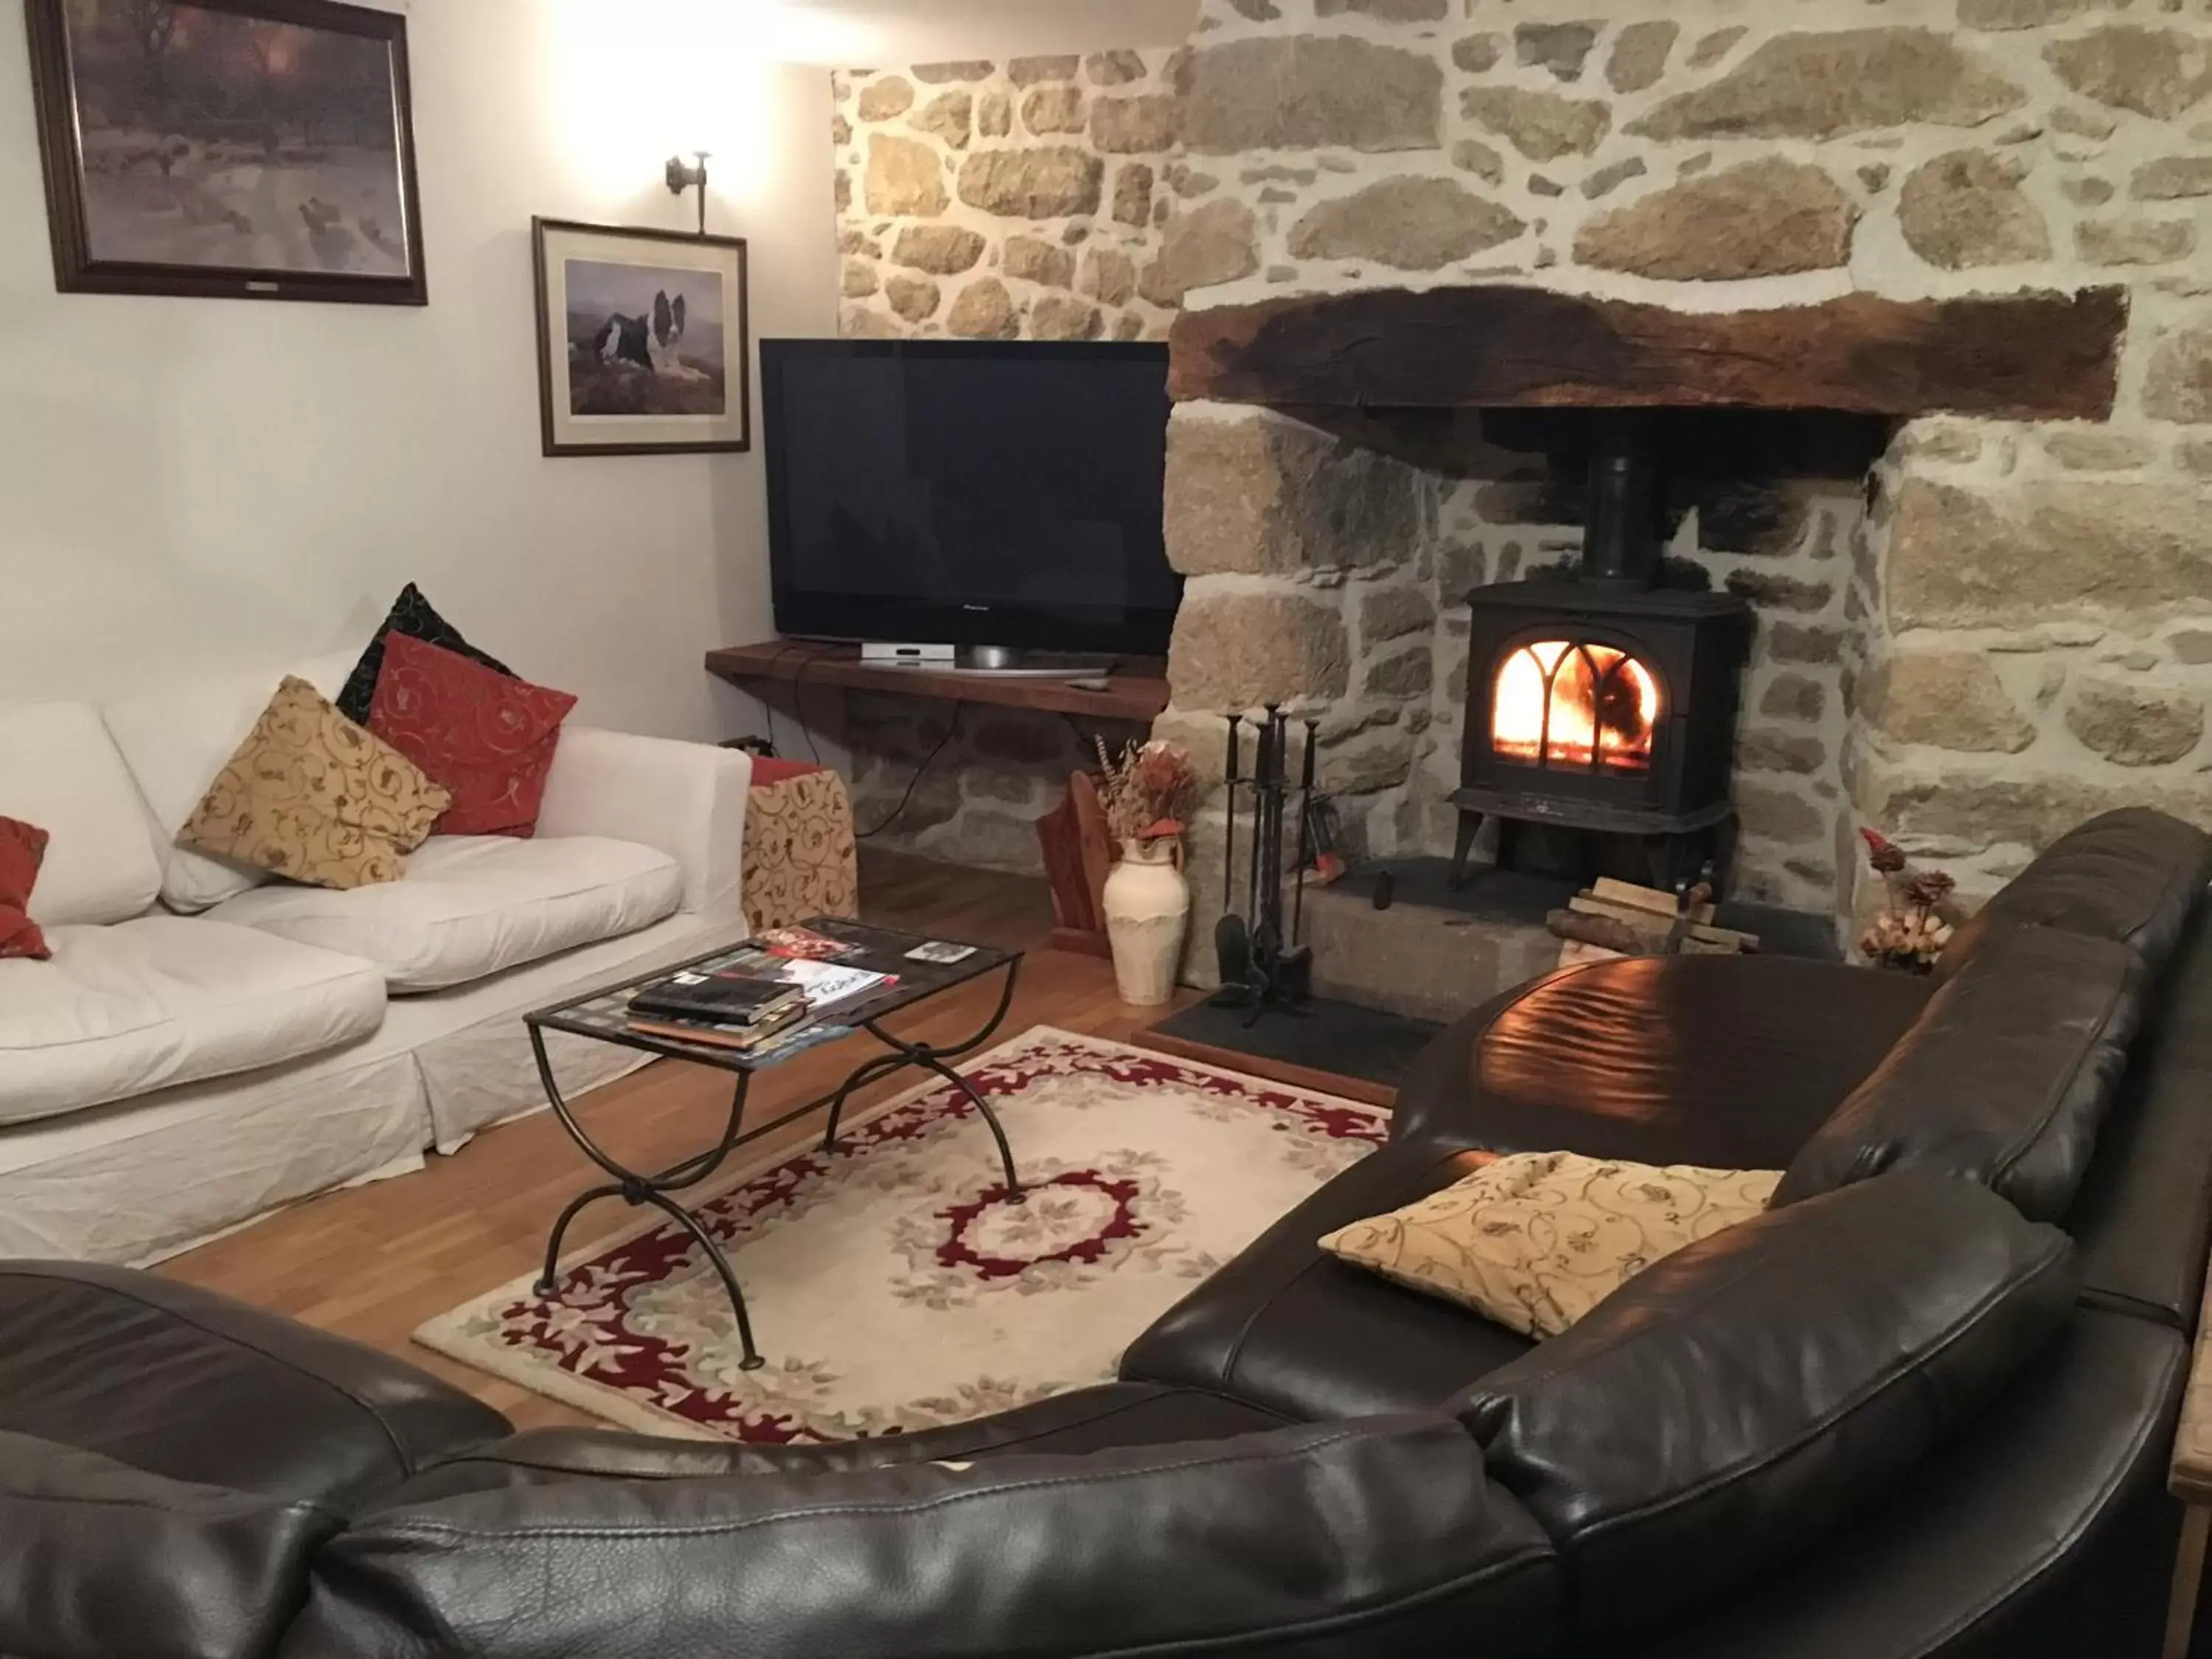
(311, 796)
(1535, 1240)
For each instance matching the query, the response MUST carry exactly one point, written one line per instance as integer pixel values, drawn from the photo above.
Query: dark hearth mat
(1513, 896)
(1331, 1038)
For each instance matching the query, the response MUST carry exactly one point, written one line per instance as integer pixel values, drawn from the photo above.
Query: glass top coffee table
(603, 1015)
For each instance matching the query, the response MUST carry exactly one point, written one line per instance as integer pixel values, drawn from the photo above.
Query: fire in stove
(1586, 708)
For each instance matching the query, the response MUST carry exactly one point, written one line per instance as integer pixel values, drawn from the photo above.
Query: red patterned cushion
(22, 849)
(486, 737)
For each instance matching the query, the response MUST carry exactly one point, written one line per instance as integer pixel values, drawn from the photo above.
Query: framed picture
(643, 346)
(250, 150)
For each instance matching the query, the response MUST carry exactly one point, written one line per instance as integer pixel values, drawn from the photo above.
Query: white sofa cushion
(60, 771)
(470, 906)
(177, 741)
(125, 1009)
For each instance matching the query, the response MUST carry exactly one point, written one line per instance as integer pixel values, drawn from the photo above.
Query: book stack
(724, 1010)
(755, 999)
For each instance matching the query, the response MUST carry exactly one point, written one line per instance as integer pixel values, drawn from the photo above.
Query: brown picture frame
(566, 430)
(58, 101)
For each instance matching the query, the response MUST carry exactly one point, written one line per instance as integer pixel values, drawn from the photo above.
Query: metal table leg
(637, 1189)
(935, 1058)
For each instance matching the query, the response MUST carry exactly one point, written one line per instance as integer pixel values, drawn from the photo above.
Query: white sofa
(207, 1045)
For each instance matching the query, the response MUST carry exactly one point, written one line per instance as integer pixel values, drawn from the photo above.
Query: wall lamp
(684, 175)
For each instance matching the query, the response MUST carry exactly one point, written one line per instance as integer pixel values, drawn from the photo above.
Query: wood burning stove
(1606, 702)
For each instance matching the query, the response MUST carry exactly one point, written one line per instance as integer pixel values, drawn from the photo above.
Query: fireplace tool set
(1263, 963)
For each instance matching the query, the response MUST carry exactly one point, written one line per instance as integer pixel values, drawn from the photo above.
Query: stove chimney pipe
(1621, 543)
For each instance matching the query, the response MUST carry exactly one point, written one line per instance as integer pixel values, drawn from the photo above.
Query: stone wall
(1020, 200)
(996, 201)
(2017, 630)
(978, 801)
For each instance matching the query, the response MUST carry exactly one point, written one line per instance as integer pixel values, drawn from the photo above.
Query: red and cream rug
(891, 1286)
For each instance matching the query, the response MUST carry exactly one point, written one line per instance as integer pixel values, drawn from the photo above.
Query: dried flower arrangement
(1150, 793)
(1911, 932)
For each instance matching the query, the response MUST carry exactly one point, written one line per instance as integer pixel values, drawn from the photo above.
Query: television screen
(1001, 493)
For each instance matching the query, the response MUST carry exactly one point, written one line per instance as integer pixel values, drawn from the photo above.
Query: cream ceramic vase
(1147, 910)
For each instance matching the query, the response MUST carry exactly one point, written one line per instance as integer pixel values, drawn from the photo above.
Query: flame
(1602, 705)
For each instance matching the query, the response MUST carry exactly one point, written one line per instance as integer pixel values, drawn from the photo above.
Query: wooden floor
(375, 1262)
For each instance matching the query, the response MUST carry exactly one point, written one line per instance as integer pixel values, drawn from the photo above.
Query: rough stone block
(2180, 384)
(1802, 85)
(1054, 109)
(2135, 241)
(1047, 181)
(1765, 218)
(2161, 72)
(1947, 699)
(1213, 244)
(1639, 56)
(2132, 725)
(881, 101)
(1393, 613)
(1562, 48)
(1427, 962)
(2173, 178)
(914, 298)
(1407, 224)
(1061, 317)
(1543, 126)
(1034, 260)
(941, 250)
(904, 178)
(1109, 277)
(1135, 126)
(984, 311)
(950, 116)
(1263, 497)
(1310, 91)
(1244, 650)
(1794, 697)
(1030, 71)
(1960, 558)
(1409, 674)
(1113, 69)
(1478, 54)
(1772, 591)
(1790, 642)
(2097, 452)
(1967, 208)
(1774, 812)
(1760, 749)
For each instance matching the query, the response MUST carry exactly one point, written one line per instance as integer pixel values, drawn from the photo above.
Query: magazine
(805, 944)
(824, 984)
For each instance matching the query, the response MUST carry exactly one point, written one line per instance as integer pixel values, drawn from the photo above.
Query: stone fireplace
(1912, 289)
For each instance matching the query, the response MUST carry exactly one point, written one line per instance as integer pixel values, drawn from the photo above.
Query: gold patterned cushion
(311, 796)
(1535, 1240)
(800, 861)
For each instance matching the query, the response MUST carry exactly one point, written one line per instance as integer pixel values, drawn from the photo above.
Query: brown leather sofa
(1921, 1406)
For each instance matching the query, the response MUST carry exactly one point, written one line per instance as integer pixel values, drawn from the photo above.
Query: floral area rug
(893, 1287)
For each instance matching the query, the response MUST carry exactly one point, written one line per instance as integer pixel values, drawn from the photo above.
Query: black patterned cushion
(417, 617)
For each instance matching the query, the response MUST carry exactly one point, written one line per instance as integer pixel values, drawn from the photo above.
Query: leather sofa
(1922, 1406)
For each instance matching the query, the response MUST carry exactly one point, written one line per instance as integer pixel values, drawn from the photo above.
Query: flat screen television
(1003, 494)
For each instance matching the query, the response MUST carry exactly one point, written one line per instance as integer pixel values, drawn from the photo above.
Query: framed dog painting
(252, 149)
(643, 344)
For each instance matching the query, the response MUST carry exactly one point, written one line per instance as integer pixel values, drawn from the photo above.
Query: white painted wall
(193, 483)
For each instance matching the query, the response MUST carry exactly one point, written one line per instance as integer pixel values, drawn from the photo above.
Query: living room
(1326, 826)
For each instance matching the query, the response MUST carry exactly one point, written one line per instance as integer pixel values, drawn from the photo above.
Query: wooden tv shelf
(1137, 691)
